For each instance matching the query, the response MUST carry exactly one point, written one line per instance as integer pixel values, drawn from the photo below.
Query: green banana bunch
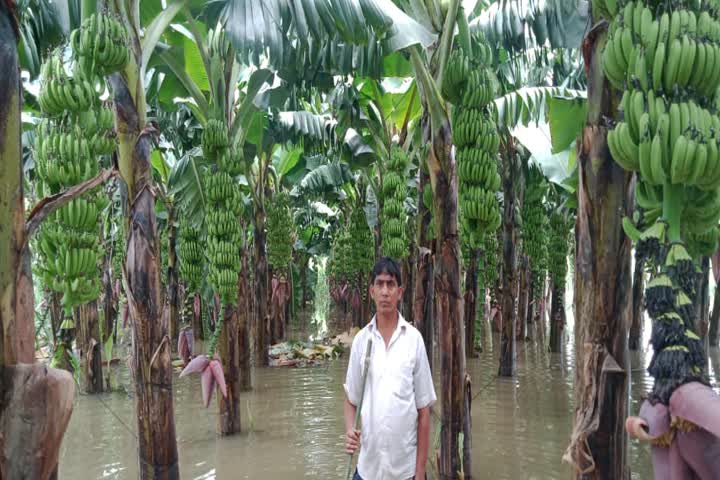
(472, 87)
(225, 206)
(558, 250)
(535, 223)
(353, 252)
(191, 254)
(393, 217)
(702, 244)
(338, 268)
(666, 58)
(280, 229)
(215, 136)
(100, 45)
(362, 243)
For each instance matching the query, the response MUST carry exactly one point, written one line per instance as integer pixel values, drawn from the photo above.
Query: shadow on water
(293, 423)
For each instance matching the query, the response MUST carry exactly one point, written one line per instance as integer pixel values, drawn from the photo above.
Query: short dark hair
(389, 266)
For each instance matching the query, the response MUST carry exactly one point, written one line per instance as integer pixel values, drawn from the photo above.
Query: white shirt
(399, 383)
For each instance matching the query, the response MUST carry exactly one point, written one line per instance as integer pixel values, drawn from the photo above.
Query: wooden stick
(368, 350)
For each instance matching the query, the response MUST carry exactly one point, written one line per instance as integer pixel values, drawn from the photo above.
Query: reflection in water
(293, 423)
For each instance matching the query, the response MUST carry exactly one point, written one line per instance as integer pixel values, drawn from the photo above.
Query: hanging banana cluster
(280, 232)
(535, 225)
(338, 268)
(667, 58)
(471, 86)
(223, 233)
(100, 45)
(362, 259)
(77, 130)
(668, 62)
(558, 251)
(393, 217)
(362, 243)
(191, 254)
(61, 93)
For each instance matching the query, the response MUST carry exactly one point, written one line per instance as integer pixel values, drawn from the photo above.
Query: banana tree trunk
(471, 295)
(172, 280)
(56, 314)
(229, 351)
(36, 401)
(409, 267)
(109, 301)
(424, 292)
(262, 337)
(151, 362)
(638, 313)
(557, 319)
(510, 282)
(524, 298)
(244, 315)
(598, 449)
(91, 347)
(448, 295)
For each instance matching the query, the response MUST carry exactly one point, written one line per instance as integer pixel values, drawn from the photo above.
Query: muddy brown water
(293, 423)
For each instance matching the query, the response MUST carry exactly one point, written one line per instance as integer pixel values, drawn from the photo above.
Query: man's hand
(352, 441)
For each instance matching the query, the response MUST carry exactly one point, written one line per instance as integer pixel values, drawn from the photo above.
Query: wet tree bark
(510, 271)
(244, 301)
(638, 289)
(449, 304)
(91, 347)
(109, 300)
(409, 284)
(35, 402)
(423, 293)
(35, 409)
(172, 280)
(603, 303)
(524, 298)
(56, 314)
(470, 298)
(229, 351)
(531, 308)
(557, 319)
(196, 319)
(151, 362)
(262, 337)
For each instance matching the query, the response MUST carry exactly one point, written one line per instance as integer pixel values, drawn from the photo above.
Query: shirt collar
(402, 323)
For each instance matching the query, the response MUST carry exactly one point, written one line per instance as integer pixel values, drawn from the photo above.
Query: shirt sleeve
(422, 378)
(354, 374)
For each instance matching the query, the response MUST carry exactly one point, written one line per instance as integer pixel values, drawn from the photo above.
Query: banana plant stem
(672, 208)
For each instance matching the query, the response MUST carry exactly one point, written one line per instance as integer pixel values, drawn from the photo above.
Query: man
(395, 431)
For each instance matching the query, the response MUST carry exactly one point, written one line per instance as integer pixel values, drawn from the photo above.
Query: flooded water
(293, 424)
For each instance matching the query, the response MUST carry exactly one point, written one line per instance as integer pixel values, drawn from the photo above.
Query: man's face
(386, 293)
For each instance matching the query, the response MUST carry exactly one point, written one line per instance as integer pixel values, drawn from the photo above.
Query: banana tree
(376, 112)
(151, 365)
(598, 448)
(38, 400)
(205, 68)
